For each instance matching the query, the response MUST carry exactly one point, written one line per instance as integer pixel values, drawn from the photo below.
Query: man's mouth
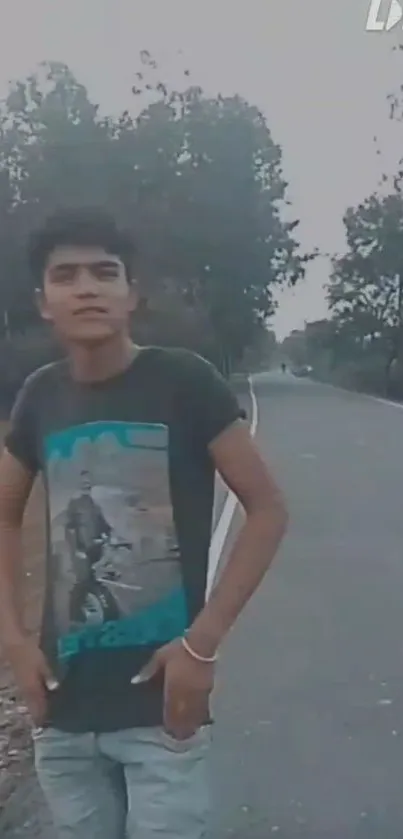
(91, 310)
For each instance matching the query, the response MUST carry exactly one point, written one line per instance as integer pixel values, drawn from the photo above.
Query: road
(309, 703)
(309, 741)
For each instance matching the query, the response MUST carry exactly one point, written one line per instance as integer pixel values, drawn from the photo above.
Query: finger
(38, 716)
(149, 671)
(51, 683)
(184, 714)
(177, 714)
(36, 704)
(181, 734)
(201, 708)
(48, 677)
(181, 728)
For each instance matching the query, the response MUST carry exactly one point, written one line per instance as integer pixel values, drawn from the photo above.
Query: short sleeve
(20, 439)
(210, 400)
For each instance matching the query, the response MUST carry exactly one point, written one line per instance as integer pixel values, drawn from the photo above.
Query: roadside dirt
(15, 741)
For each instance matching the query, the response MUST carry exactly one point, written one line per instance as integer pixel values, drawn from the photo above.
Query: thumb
(47, 675)
(151, 669)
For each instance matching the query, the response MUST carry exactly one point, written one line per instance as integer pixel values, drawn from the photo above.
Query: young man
(121, 707)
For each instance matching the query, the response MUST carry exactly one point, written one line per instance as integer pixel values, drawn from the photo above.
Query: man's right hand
(32, 675)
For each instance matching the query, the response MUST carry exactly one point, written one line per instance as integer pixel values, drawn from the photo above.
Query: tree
(262, 353)
(365, 292)
(366, 288)
(197, 179)
(218, 226)
(319, 345)
(55, 151)
(294, 348)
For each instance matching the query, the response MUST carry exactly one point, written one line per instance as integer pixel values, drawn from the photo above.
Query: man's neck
(102, 361)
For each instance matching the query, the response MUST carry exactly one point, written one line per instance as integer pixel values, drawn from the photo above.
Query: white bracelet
(203, 659)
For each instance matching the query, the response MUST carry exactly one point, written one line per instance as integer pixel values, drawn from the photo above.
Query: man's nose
(85, 283)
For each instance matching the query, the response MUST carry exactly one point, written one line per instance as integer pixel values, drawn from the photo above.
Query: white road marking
(224, 522)
(386, 402)
(367, 396)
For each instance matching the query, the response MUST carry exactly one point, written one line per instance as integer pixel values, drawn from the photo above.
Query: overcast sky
(318, 76)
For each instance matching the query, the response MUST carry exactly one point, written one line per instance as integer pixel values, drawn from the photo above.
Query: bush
(366, 374)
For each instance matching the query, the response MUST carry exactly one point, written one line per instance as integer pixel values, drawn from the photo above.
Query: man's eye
(107, 274)
(64, 275)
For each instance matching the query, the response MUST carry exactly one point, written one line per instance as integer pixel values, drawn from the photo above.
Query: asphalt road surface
(309, 703)
(309, 740)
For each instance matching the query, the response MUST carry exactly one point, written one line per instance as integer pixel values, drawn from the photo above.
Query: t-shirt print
(116, 572)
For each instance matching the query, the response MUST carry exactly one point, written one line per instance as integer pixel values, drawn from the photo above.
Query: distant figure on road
(283, 367)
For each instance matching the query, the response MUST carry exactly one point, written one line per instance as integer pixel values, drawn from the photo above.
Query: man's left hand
(187, 687)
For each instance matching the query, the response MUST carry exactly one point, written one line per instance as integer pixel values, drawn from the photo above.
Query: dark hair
(90, 227)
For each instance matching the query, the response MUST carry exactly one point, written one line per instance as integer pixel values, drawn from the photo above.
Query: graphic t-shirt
(129, 501)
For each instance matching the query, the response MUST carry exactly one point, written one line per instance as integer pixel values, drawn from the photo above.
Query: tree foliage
(316, 346)
(198, 180)
(363, 340)
(366, 287)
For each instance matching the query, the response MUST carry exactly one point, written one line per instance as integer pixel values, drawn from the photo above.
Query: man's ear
(40, 301)
(133, 296)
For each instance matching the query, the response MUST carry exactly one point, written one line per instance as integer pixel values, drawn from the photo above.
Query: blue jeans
(139, 783)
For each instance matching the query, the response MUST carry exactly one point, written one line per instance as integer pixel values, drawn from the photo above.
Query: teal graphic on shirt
(117, 578)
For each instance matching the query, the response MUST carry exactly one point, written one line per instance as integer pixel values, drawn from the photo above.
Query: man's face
(86, 485)
(86, 294)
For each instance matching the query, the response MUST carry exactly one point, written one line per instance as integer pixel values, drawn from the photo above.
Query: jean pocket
(200, 739)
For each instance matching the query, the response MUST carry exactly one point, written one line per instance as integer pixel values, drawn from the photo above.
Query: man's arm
(30, 668)
(15, 486)
(188, 682)
(103, 526)
(70, 528)
(238, 461)
(213, 414)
